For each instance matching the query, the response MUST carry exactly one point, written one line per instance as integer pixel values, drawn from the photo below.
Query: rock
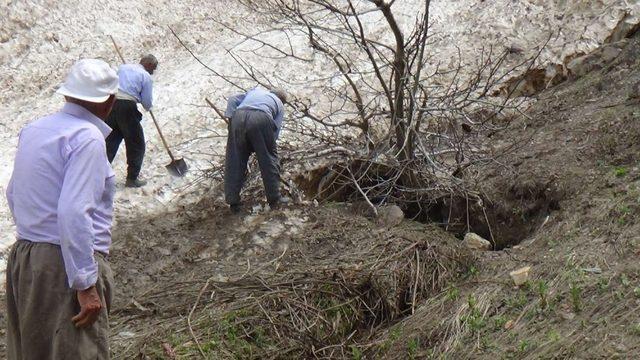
(533, 81)
(220, 278)
(4, 54)
(515, 49)
(164, 251)
(582, 65)
(593, 61)
(635, 91)
(520, 276)
(567, 315)
(610, 53)
(626, 27)
(593, 270)
(619, 347)
(126, 334)
(476, 242)
(390, 216)
(362, 208)
(509, 324)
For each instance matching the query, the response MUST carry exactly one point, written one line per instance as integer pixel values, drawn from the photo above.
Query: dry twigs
(319, 303)
(388, 124)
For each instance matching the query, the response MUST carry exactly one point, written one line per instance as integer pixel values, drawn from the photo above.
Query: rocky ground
(328, 281)
(573, 192)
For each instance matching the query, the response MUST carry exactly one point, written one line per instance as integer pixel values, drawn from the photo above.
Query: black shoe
(135, 183)
(274, 205)
(235, 208)
(278, 204)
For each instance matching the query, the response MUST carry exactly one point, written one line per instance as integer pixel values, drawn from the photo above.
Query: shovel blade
(177, 167)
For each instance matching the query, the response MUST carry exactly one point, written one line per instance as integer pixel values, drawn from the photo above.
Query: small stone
(635, 91)
(474, 241)
(4, 54)
(567, 315)
(610, 53)
(520, 276)
(593, 270)
(220, 278)
(164, 251)
(509, 325)
(390, 216)
(620, 348)
(126, 334)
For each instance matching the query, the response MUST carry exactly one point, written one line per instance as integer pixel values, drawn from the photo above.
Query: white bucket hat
(91, 80)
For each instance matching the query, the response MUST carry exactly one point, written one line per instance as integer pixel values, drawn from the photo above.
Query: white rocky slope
(39, 40)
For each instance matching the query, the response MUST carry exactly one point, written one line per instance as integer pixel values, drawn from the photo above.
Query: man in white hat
(61, 196)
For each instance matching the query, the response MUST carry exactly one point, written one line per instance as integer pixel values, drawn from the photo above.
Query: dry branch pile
(321, 309)
(317, 301)
(389, 122)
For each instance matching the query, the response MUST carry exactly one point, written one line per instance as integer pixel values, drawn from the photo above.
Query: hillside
(206, 271)
(267, 284)
(328, 280)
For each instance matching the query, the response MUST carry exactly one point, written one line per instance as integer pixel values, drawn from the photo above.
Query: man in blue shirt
(135, 86)
(61, 197)
(254, 126)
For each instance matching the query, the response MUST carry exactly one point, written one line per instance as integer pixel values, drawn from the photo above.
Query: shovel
(177, 167)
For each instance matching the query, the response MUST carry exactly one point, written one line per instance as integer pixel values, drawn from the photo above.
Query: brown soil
(580, 170)
(565, 204)
(569, 199)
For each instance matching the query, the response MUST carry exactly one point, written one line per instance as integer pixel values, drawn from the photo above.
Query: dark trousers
(124, 121)
(251, 131)
(40, 306)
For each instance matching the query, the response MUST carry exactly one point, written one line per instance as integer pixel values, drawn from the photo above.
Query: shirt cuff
(85, 279)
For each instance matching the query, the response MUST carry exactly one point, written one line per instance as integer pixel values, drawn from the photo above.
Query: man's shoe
(235, 208)
(274, 205)
(278, 204)
(135, 183)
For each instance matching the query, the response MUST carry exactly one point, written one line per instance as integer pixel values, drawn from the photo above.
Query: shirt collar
(82, 113)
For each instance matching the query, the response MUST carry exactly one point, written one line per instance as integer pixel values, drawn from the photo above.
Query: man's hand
(90, 307)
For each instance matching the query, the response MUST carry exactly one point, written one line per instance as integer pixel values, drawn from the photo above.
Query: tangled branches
(386, 118)
(322, 305)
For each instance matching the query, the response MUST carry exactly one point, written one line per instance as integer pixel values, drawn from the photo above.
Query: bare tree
(405, 125)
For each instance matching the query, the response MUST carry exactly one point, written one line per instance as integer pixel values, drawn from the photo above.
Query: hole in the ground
(512, 213)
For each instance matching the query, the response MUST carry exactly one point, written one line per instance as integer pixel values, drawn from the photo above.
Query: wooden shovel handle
(164, 142)
(117, 49)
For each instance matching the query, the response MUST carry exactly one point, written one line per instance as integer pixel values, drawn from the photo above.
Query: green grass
(620, 171)
(576, 297)
(412, 348)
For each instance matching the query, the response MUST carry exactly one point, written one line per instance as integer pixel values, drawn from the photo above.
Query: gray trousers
(40, 306)
(251, 131)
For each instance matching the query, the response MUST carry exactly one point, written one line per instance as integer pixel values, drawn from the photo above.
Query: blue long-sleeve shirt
(134, 80)
(62, 187)
(258, 99)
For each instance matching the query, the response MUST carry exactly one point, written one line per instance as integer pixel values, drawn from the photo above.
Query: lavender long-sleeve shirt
(258, 99)
(61, 190)
(134, 80)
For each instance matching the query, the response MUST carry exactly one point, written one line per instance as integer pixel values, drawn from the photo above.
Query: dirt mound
(339, 276)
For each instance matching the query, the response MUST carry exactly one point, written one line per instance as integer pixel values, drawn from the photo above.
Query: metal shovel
(177, 167)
